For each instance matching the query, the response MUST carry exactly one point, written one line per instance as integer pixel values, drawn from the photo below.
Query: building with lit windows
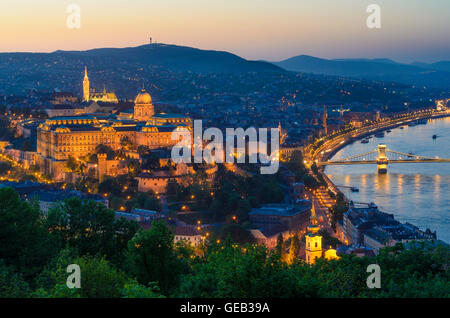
(188, 235)
(89, 94)
(61, 137)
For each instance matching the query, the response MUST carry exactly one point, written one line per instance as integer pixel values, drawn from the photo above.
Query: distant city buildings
(139, 215)
(294, 217)
(50, 198)
(364, 225)
(47, 196)
(59, 98)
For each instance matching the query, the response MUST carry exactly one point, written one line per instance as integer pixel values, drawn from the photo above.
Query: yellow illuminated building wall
(313, 239)
(77, 136)
(86, 91)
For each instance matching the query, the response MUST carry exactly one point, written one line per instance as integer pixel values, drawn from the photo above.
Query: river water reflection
(418, 193)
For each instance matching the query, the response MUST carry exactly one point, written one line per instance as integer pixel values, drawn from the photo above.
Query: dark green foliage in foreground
(152, 258)
(11, 284)
(24, 242)
(229, 271)
(255, 272)
(237, 194)
(93, 229)
(99, 279)
(117, 261)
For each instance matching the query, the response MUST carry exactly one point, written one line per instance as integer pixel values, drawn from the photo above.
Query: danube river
(418, 193)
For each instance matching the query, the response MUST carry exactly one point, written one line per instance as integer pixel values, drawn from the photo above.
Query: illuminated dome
(143, 98)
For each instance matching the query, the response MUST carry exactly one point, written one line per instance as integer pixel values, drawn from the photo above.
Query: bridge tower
(382, 160)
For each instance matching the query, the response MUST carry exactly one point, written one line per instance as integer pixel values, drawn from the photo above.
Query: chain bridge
(382, 156)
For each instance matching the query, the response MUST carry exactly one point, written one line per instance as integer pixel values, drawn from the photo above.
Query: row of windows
(145, 183)
(97, 137)
(309, 244)
(153, 142)
(183, 238)
(89, 137)
(75, 149)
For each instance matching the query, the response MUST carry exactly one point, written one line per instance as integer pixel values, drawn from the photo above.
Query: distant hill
(174, 58)
(438, 66)
(420, 74)
(124, 70)
(381, 60)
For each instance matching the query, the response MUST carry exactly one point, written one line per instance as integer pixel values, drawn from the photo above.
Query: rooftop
(143, 211)
(61, 195)
(275, 229)
(169, 115)
(72, 117)
(185, 231)
(280, 209)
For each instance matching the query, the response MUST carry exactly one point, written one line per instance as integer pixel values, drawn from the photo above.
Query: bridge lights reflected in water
(387, 182)
(400, 183)
(437, 186)
(363, 180)
(377, 182)
(417, 182)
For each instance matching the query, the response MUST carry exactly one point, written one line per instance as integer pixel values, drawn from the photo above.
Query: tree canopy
(117, 260)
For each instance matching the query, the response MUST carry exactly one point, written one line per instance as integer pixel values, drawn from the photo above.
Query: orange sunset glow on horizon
(262, 29)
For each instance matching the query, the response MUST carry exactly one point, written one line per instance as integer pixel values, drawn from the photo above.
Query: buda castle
(77, 136)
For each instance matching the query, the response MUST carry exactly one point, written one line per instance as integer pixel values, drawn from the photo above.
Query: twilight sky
(411, 30)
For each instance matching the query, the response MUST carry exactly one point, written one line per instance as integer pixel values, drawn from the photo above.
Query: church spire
(313, 226)
(313, 239)
(86, 89)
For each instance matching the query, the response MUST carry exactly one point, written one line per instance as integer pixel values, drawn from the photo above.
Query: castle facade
(58, 138)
